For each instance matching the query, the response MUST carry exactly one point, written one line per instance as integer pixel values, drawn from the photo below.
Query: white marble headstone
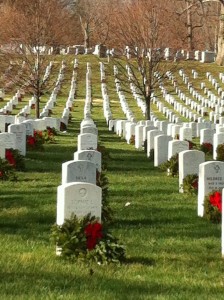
(2, 123)
(161, 149)
(87, 122)
(146, 129)
(52, 122)
(150, 139)
(89, 129)
(2, 150)
(185, 134)
(176, 146)
(90, 155)
(39, 124)
(218, 139)
(87, 141)
(189, 161)
(8, 139)
(79, 199)
(130, 131)
(20, 131)
(78, 171)
(206, 136)
(29, 128)
(211, 178)
(139, 136)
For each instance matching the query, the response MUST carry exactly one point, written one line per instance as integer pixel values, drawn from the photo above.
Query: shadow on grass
(31, 226)
(141, 286)
(49, 160)
(140, 260)
(168, 224)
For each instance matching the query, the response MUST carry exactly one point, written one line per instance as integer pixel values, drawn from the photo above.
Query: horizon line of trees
(140, 24)
(190, 24)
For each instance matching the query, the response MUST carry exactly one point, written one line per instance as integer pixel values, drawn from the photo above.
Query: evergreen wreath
(213, 207)
(86, 238)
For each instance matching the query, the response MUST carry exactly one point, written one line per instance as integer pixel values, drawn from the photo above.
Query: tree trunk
(86, 36)
(220, 54)
(37, 88)
(189, 28)
(37, 106)
(148, 106)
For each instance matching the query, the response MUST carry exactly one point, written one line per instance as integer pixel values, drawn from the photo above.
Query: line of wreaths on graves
(84, 216)
(200, 167)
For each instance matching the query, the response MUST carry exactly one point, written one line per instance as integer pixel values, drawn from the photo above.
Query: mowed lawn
(171, 253)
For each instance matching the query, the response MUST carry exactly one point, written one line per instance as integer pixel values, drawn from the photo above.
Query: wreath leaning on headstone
(86, 238)
(207, 148)
(190, 184)
(171, 166)
(220, 152)
(213, 207)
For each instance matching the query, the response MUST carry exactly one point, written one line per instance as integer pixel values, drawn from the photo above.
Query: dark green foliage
(70, 236)
(211, 212)
(108, 250)
(19, 160)
(192, 145)
(145, 146)
(105, 156)
(132, 140)
(171, 166)
(207, 148)
(36, 141)
(7, 171)
(220, 152)
(71, 241)
(151, 157)
(102, 181)
(190, 184)
(49, 135)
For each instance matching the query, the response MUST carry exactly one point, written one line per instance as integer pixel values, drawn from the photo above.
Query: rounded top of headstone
(87, 122)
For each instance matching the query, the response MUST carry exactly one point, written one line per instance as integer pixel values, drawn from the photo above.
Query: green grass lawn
(171, 253)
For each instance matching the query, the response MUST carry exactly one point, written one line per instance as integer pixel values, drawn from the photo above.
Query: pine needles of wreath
(86, 239)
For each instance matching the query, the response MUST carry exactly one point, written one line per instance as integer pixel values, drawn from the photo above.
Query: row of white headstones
(78, 193)
(24, 113)
(174, 54)
(194, 110)
(160, 137)
(211, 173)
(15, 129)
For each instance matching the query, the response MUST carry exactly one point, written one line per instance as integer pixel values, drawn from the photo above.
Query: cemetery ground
(171, 253)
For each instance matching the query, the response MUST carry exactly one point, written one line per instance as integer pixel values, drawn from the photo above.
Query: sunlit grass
(171, 253)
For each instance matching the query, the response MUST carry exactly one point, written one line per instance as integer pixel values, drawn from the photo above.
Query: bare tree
(193, 5)
(142, 26)
(28, 30)
(94, 18)
(220, 54)
(193, 14)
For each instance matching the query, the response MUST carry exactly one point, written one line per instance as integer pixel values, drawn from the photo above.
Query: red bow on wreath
(93, 233)
(216, 200)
